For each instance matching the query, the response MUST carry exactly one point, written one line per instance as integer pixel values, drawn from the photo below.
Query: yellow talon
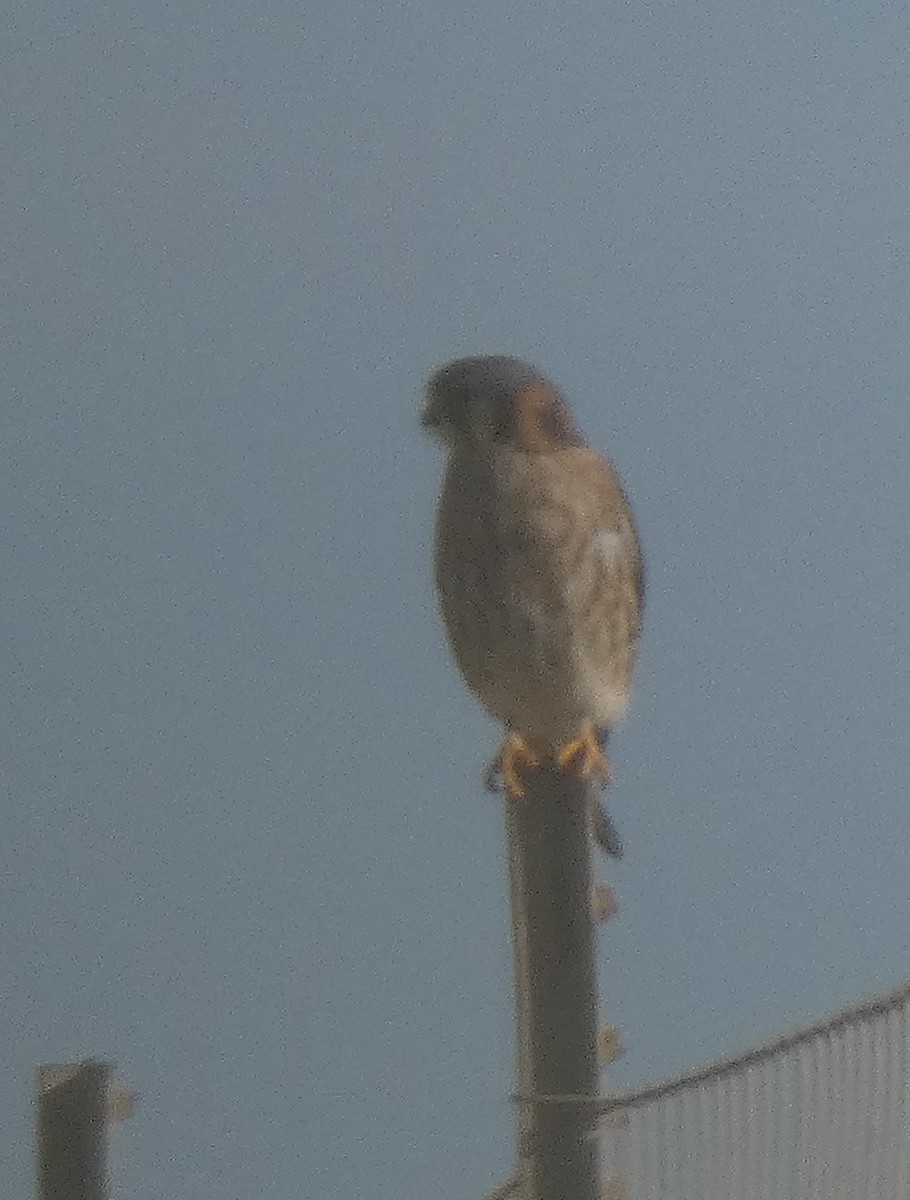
(513, 754)
(584, 757)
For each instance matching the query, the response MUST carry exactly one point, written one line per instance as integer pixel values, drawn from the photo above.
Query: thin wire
(813, 1115)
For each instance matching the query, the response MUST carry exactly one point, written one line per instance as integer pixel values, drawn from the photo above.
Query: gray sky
(244, 849)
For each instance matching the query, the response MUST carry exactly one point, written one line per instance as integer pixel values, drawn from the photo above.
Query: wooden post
(72, 1104)
(549, 845)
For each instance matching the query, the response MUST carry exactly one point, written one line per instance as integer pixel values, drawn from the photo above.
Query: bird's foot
(502, 775)
(584, 758)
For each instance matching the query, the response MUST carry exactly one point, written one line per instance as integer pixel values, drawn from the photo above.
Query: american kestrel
(538, 569)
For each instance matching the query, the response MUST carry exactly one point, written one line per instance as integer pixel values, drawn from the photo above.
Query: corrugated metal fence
(820, 1114)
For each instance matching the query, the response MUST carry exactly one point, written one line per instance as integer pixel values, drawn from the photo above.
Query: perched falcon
(538, 569)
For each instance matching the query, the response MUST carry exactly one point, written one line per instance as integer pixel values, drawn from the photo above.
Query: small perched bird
(538, 569)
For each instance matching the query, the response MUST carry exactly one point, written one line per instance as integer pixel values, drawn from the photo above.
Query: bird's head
(481, 403)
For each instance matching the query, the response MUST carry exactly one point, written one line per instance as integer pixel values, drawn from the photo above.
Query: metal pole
(549, 845)
(72, 1113)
